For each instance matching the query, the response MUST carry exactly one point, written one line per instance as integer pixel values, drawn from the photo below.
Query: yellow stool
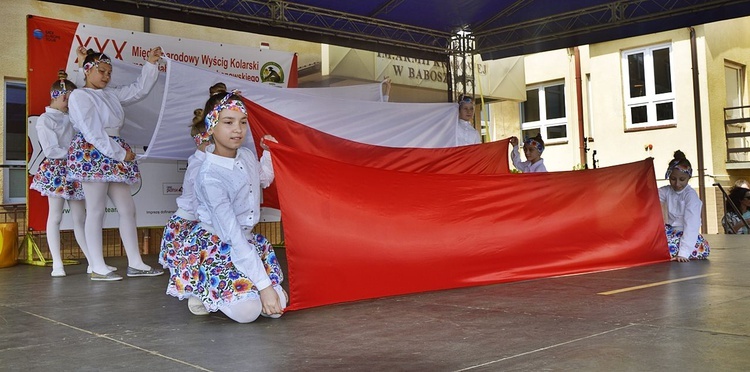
(8, 244)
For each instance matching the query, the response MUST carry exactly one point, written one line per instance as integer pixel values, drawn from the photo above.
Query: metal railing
(150, 237)
(737, 132)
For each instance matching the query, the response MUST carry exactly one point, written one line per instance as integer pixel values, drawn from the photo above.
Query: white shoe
(195, 305)
(58, 271)
(110, 268)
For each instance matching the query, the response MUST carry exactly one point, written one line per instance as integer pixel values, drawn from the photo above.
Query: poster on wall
(51, 46)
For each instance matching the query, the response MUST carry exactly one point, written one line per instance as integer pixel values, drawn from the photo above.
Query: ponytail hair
(62, 85)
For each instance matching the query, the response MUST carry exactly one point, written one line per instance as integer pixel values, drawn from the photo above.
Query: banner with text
(52, 46)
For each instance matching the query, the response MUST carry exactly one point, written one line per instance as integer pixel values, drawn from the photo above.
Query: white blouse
(683, 213)
(228, 192)
(98, 113)
(188, 202)
(55, 133)
(466, 134)
(526, 166)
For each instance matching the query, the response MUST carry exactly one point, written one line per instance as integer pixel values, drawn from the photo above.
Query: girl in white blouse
(103, 162)
(681, 209)
(532, 149)
(230, 268)
(55, 133)
(465, 132)
(173, 256)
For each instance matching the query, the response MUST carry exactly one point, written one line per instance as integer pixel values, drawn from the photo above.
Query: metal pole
(698, 129)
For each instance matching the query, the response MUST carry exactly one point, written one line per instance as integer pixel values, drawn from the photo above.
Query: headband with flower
(63, 88)
(530, 141)
(675, 165)
(101, 59)
(212, 118)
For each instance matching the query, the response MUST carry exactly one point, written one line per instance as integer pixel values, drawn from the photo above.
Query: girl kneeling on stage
(230, 268)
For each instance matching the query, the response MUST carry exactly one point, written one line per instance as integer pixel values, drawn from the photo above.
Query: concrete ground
(663, 317)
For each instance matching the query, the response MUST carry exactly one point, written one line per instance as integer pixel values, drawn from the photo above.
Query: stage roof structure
(423, 29)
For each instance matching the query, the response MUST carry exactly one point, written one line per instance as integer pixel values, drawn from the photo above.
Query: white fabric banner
(372, 122)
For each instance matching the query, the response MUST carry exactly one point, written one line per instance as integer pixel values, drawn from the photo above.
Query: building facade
(635, 98)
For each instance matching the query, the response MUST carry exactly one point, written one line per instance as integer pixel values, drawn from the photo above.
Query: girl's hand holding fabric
(155, 54)
(265, 138)
(270, 301)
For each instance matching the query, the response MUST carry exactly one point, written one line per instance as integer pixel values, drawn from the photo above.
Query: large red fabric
(487, 158)
(354, 232)
(48, 45)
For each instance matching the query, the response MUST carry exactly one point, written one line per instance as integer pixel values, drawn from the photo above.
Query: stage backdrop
(354, 232)
(51, 47)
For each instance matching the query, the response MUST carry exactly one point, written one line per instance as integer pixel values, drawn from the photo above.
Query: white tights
(54, 217)
(249, 310)
(96, 202)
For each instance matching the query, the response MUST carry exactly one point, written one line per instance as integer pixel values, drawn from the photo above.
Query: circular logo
(271, 72)
(37, 34)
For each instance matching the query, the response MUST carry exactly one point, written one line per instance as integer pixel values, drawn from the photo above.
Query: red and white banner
(51, 47)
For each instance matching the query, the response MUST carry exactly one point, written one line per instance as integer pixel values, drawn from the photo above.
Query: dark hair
(679, 159)
(217, 88)
(92, 56)
(62, 82)
(214, 100)
(736, 194)
(538, 138)
(199, 124)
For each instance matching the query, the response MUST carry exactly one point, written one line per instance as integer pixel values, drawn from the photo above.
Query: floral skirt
(203, 268)
(51, 180)
(701, 251)
(175, 234)
(87, 164)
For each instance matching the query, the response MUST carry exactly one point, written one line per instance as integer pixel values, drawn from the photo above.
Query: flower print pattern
(175, 232)
(202, 266)
(701, 251)
(87, 164)
(51, 180)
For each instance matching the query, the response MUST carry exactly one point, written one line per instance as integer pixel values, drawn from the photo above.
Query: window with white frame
(544, 112)
(14, 160)
(647, 81)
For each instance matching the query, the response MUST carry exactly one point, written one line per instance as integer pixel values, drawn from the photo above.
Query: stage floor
(661, 317)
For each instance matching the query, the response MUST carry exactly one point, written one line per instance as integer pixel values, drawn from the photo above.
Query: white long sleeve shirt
(466, 134)
(229, 192)
(526, 166)
(98, 113)
(55, 133)
(683, 213)
(188, 201)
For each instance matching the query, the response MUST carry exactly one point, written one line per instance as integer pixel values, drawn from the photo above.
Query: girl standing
(465, 132)
(103, 162)
(230, 268)
(681, 209)
(532, 149)
(55, 133)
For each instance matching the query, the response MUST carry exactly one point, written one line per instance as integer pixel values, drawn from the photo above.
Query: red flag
(487, 158)
(355, 232)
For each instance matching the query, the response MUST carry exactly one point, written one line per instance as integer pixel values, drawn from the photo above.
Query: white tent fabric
(161, 121)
